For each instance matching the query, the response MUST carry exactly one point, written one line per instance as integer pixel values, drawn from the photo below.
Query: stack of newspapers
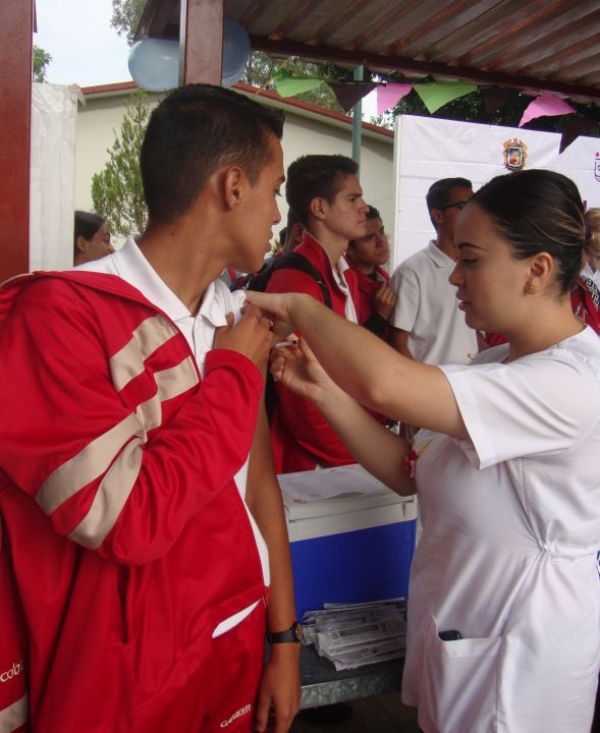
(357, 634)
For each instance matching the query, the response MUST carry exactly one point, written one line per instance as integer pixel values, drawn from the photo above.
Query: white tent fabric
(52, 199)
(427, 149)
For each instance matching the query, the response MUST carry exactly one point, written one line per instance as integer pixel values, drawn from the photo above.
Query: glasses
(460, 205)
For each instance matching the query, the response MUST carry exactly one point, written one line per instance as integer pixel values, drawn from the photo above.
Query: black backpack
(293, 261)
(259, 280)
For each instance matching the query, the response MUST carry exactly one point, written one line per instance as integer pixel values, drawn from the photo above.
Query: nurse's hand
(295, 366)
(280, 307)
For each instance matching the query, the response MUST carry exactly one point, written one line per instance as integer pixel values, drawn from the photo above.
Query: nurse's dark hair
(195, 131)
(86, 225)
(538, 211)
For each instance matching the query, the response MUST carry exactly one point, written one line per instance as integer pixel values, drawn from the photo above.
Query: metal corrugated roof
(542, 45)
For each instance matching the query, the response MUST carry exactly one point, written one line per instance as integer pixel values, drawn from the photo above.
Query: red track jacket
(300, 436)
(129, 539)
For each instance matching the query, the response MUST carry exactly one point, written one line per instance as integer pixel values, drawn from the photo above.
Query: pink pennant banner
(546, 105)
(389, 95)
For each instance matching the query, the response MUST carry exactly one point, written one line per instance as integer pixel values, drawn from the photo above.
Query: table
(322, 685)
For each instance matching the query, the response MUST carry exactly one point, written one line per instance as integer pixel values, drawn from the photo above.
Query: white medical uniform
(509, 550)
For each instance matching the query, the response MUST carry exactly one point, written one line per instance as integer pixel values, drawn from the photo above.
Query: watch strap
(289, 636)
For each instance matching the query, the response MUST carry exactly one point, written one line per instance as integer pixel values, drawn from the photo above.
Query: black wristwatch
(289, 636)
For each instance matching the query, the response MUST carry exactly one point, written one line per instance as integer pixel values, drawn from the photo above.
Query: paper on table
(328, 483)
(355, 635)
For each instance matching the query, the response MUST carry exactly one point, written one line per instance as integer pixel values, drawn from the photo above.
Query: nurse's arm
(367, 368)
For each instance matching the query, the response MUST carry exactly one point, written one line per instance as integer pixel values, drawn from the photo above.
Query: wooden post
(16, 44)
(201, 41)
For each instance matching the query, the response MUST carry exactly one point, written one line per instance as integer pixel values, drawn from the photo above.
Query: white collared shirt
(427, 309)
(338, 273)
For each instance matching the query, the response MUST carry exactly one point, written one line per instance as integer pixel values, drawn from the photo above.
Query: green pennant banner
(437, 94)
(289, 86)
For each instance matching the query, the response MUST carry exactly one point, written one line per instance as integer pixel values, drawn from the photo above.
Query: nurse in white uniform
(504, 598)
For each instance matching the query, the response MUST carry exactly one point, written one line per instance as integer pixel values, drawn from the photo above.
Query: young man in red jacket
(366, 256)
(141, 510)
(325, 194)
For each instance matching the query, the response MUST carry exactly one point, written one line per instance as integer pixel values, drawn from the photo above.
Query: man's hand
(385, 302)
(279, 693)
(250, 336)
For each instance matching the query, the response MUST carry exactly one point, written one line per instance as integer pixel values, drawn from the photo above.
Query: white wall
(304, 133)
(98, 123)
(53, 121)
(427, 149)
(308, 136)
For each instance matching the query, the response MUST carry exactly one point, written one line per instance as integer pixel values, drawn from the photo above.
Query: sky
(85, 50)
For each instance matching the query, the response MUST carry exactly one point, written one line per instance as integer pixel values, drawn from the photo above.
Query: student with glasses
(426, 323)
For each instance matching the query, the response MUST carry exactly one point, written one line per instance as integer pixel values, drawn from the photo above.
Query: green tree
(41, 59)
(262, 67)
(117, 191)
(126, 16)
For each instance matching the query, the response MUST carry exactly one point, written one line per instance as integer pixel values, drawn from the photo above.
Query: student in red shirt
(325, 194)
(366, 256)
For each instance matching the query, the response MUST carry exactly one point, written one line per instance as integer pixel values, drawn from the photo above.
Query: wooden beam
(201, 41)
(16, 47)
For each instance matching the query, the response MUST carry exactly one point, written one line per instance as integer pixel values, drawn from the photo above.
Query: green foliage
(261, 68)
(126, 16)
(117, 191)
(41, 59)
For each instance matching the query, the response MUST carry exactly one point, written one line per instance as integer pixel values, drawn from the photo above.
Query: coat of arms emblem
(515, 154)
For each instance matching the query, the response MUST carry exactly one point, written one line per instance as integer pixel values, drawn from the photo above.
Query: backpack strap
(292, 261)
(259, 282)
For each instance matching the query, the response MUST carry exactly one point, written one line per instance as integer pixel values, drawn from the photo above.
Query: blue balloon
(236, 52)
(154, 64)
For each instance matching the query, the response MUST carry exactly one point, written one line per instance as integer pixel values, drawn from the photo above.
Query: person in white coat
(504, 596)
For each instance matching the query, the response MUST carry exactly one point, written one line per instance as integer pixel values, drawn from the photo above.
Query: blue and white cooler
(352, 539)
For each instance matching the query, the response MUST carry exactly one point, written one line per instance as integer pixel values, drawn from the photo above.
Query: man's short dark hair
(86, 225)
(316, 176)
(193, 132)
(439, 192)
(373, 213)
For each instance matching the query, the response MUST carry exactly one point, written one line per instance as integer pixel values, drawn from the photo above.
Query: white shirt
(130, 265)
(508, 552)
(427, 309)
(338, 273)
